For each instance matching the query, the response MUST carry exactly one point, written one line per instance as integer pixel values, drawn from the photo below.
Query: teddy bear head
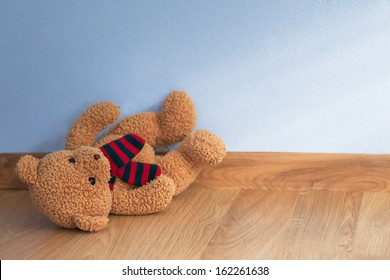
(70, 187)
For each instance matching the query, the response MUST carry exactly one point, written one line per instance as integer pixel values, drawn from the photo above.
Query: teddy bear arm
(90, 223)
(90, 123)
(150, 198)
(198, 151)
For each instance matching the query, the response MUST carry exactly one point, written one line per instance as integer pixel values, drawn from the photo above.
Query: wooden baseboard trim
(8, 179)
(272, 171)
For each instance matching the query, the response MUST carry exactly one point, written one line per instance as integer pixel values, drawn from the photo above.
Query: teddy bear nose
(92, 180)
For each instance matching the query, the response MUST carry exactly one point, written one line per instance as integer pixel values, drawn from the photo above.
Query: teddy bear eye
(72, 160)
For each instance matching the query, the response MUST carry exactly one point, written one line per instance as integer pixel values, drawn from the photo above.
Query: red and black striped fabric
(120, 152)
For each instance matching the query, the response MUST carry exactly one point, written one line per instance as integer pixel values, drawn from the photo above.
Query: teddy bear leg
(90, 123)
(148, 199)
(197, 151)
(177, 118)
(172, 124)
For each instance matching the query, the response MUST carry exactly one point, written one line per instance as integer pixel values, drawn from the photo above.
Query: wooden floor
(252, 206)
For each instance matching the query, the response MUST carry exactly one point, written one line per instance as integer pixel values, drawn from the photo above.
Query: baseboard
(272, 171)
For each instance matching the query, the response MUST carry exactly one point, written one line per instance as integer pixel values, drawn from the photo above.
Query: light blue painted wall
(307, 76)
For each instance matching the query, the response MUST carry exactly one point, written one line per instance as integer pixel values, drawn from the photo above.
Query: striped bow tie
(120, 152)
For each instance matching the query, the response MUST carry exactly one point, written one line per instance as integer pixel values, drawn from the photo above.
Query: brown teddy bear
(120, 173)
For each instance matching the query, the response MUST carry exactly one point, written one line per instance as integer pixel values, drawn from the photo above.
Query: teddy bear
(120, 173)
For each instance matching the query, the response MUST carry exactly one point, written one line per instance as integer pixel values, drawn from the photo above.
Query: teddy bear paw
(204, 148)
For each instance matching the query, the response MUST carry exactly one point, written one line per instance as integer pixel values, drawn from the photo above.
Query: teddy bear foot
(177, 118)
(172, 124)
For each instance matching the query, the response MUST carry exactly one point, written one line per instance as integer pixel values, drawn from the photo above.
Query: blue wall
(310, 76)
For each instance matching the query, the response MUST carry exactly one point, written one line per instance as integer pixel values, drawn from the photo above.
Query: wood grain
(373, 227)
(253, 226)
(291, 225)
(322, 227)
(252, 206)
(181, 231)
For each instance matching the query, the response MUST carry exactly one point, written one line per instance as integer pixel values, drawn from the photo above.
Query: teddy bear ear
(27, 169)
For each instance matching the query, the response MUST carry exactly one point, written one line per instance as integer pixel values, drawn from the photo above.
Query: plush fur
(60, 183)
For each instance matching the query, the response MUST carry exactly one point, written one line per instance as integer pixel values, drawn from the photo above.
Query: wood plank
(287, 225)
(184, 230)
(323, 226)
(180, 232)
(252, 226)
(212, 224)
(373, 228)
(22, 223)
